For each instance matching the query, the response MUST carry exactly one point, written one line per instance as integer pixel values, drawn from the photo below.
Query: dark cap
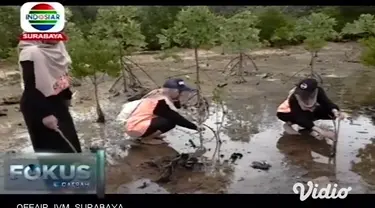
(307, 85)
(177, 84)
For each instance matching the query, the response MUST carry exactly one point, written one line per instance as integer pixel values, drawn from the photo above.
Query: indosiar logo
(46, 17)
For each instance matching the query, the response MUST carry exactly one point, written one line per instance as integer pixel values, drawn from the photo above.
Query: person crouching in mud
(306, 103)
(157, 114)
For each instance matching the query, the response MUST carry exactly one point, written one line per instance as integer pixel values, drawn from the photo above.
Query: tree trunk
(200, 122)
(123, 72)
(99, 112)
(240, 68)
(197, 67)
(123, 68)
(312, 62)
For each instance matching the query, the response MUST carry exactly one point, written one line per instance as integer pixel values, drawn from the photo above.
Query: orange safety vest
(284, 107)
(140, 119)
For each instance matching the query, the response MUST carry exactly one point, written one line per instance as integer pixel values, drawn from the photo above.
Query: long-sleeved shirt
(33, 99)
(162, 109)
(305, 118)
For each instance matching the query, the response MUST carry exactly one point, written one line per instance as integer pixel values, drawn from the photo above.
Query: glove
(50, 122)
(338, 114)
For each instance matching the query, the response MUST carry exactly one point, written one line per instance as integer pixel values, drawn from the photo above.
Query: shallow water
(293, 159)
(253, 131)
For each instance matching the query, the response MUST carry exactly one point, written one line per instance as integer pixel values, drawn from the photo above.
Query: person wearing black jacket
(306, 103)
(44, 67)
(157, 114)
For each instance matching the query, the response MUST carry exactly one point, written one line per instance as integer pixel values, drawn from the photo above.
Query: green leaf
(90, 56)
(239, 33)
(194, 26)
(316, 29)
(368, 54)
(365, 25)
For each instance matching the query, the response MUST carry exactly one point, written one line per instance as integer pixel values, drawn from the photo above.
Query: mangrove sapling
(364, 27)
(89, 63)
(195, 26)
(316, 29)
(239, 34)
(119, 23)
(368, 54)
(128, 61)
(191, 160)
(285, 35)
(217, 97)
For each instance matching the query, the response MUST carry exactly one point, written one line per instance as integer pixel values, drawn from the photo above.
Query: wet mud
(249, 131)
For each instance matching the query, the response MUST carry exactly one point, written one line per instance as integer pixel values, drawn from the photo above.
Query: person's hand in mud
(51, 122)
(338, 114)
(328, 134)
(324, 133)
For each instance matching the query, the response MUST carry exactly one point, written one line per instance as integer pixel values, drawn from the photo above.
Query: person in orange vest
(157, 114)
(306, 103)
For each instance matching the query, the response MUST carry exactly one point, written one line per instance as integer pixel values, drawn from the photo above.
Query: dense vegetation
(275, 23)
(119, 31)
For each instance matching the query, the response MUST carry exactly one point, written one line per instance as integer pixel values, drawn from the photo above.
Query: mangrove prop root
(133, 78)
(115, 83)
(229, 63)
(140, 68)
(252, 61)
(295, 74)
(238, 62)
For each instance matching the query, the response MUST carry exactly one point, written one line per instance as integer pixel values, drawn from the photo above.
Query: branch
(317, 76)
(101, 78)
(115, 83)
(127, 68)
(294, 75)
(252, 61)
(140, 68)
(233, 67)
(229, 63)
(214, 132)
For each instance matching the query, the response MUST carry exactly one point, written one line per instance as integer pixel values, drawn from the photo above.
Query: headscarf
(51, 62)
(308, 102)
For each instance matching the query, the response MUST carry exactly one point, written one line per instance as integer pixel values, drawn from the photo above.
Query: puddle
(301, 158)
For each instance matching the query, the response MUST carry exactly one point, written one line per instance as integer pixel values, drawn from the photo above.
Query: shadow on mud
(310, 153)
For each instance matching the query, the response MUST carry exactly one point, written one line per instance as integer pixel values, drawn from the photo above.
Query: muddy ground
(249, 126)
